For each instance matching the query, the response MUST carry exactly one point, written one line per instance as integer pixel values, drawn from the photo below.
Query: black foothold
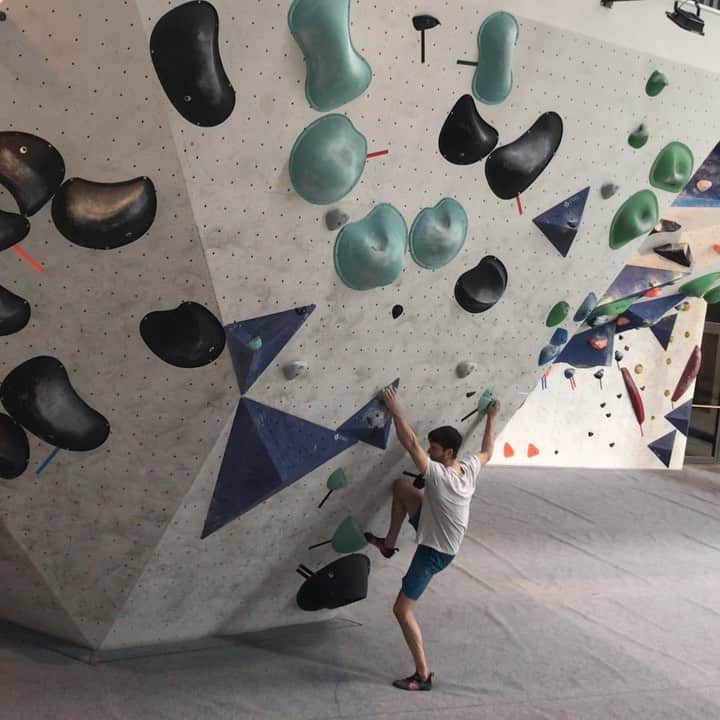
(642, 387)
(478, 289)
(608, 414)
(397, 311)
(14, 312)
(590, 434)
(340, 583)
(425, 22)
(612, 444)
(13, 229)
(470, 394)
(14, 448)
(619, 396)
(602, 405)
(465, 137)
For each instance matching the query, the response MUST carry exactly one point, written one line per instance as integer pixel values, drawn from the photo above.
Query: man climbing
(440, 518)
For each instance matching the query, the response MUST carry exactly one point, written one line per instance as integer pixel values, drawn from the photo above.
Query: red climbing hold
(532, 450)
(653, 292)
(598, 342)
(508, 450)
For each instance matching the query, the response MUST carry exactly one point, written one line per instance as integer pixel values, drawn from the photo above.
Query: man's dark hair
(448, 438)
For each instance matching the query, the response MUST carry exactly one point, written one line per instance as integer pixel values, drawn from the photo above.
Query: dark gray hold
(13, 229)
(478, 289)
(14, 312)
(397, 311)
(465, 137)
(464, 368)
(608, 190)
(342, 582)
(295, 369)
(335, 219)
(14, 448)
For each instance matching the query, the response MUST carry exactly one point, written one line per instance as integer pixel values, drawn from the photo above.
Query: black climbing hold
(13, 229)
(602, 405)
(612, 444)
(186, 55)
(30, 168)
(14, 448)
(478, 289)
(675, 252)
(470, 394)
(39, 396)
(340, 583)
(590, 434)
(397, 311)
(335, 219)
(620, 337)
(425, 22)
(14, 312)
(104, 216)
(512, 168)
(465, 137)
(665, 226)
(557, 451)
(189, 336)
(619, 396)
(642, 387)
(608, 414)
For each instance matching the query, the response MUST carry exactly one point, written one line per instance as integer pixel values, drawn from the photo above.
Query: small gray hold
(335, 219)
(608, 190)
(465, 368)
(295, 369)
(377, 418)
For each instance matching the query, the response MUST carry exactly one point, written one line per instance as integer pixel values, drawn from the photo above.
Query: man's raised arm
(405, 433)
(489, 436)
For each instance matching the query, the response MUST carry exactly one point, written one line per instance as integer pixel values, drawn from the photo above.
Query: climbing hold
(678, 253)
(512, 168)
(337, 480)
(484, 403)
(14, 312)
(703, 185)
(653, 292)
(532, 451)
(340, 583)
(508, 450)
(397, 311)
(13, 229)
(590, 434)
(579, 353)
(185, 52)
(464, 368)
(557, 314)
(31, 169)
(712, 296)
(548, 353)
(465, 137)
(644, 314)
(371, 423)
(599, 375)
(438, 234)
(38, 395)
(336, 72)
(680, 416)
(656, 83)
(663, 447)
(569, 373)
(608, 190)
(665, 226)
(255, 344)
(699, 286)
(672, 167)
(635, 398)
(560, 223)
(327, 160)
(335, 219)
(635, 217)
(662, 330)
(104, 216)
(496, 40)
(638, 137)
(559, 337)
(598, 342)
(370, 253)
(586, 307)
(685, 306)
(688, 375)
(348, 538)
(422, 23)
(618, 356)
(295, 369)
(189, 336)
(14, 448)
(638, 369)
(478, 289)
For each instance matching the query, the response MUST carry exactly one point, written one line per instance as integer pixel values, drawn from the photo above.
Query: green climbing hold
(638, 137)
(635, 217)
(699, 286)
(672, 167)
(337, 480)
(348, 537)
(557, 314)
(438, 234)
(656, 83)
(712, 296)
(615, 308)
(496, 39)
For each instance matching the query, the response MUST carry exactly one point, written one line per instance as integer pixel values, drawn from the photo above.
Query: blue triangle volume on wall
(663, 330)
(251, 356)
(560, 223)
(267, 451)
(580, 354)
(663, 447)
(371, 424)
(680, 417)
(644, 314)
(635, 279)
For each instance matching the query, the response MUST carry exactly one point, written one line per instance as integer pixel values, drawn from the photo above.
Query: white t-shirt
(446, 505)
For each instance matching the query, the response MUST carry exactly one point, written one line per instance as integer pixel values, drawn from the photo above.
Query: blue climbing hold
(496, 41)
(559, 337)
(663, 447)
(560, 223)
(586, 307)
(662, 330)
(548, 353)
(680, 417)
(438, 234)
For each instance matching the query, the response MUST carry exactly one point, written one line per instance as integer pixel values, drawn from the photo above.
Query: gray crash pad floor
(577, 595)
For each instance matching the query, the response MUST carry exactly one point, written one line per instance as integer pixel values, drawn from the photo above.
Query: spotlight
(687, 20)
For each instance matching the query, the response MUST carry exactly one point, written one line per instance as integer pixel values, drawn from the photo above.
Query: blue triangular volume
(663, 447)
(275, 331)
(663, 330)
(635, 279)
(680, 417)
(644, 314)
(267, 451)
(560, 223)
(371, 423)
(579, 353)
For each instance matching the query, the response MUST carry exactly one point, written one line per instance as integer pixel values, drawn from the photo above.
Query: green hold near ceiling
(634, 218)
(615, 308)
(438, 234)
(348, 537)
(557, 314)
(656, 83)
(638, 137)
(672, 167)
(699, 287)
(327, 160)
(370, 253)
(336, 72)
(712, 296)
(496, 40)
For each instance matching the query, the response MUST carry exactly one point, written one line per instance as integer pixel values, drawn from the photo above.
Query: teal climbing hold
(327, 159)
(672, 167)
(348, 537)
(496, 41)
(370, 253)
(438, 234)
(336, 72)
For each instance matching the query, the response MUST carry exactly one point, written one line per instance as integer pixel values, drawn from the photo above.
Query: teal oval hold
(327, 160)
(336, 72)
(438, 234)
(496, 41)
(370, 253)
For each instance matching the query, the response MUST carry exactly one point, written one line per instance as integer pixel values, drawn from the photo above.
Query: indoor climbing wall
(337, 198)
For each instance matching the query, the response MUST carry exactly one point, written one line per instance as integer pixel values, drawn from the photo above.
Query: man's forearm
(488, 437)
(405, 433)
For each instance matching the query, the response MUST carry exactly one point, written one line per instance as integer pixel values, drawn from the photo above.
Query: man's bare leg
(406, 502)
(403, 610)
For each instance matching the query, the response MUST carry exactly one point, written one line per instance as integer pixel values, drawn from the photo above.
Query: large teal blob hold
(336, 72)
(327, 160)
(438, 234)
(370, 253)
(496, 41)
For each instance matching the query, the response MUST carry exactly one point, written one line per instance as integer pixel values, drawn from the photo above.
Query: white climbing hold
(703, 185)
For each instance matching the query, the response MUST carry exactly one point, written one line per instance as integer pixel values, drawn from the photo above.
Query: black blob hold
(477, 290)
(470, 394)
(104, 216)
(557, 451)
(465, 137)
(590, 434)
(612, 444)
(342, 582)
(13, 229)
(679, 253)
(39, 396)
(397, 311)
(425, 22)
(14, 448)
(619, 396)
(189, 336)
(186, 55)
(608, 414)
(30, 168)
(512, 168)
(14, 312)
(642, 387)
(602, 405)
